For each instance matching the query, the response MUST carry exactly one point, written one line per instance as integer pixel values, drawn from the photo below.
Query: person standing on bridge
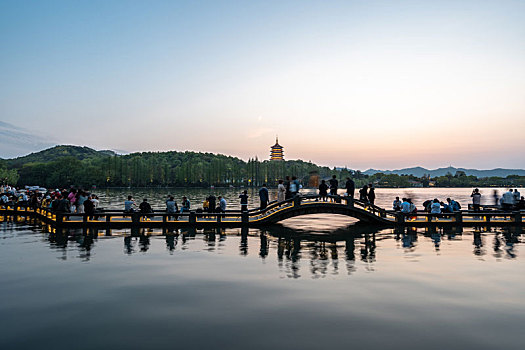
(476, 199)
(363, 194)
(294, 187)
(244, 201)
(350, 187)
(287, 184)
(323, 191)
(334, 185)
(281, 191)
(371, 195)
(264, 196)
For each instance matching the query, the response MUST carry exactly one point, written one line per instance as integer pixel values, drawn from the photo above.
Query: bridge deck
(274, 213)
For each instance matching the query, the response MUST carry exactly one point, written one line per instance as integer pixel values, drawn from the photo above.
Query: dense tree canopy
(82, 166)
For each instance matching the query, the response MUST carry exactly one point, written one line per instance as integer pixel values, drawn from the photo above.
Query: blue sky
(382, 84)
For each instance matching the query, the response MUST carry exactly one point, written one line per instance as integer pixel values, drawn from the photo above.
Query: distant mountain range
(419, 172)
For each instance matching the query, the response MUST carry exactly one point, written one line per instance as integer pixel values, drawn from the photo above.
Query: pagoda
(276, 151)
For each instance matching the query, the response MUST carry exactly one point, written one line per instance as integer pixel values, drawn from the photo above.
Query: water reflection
(296, 253)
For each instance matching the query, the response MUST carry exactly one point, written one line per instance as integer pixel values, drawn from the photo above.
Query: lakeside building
(276, 151)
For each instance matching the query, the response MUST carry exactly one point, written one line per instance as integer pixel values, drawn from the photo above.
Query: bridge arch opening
(319, 222)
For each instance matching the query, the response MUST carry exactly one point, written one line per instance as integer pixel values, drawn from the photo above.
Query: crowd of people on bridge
(81, 201)
(60, 201)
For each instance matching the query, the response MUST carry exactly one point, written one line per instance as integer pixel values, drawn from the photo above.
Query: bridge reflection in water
(291, 249)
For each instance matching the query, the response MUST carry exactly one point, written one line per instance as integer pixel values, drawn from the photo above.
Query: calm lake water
(312, 282)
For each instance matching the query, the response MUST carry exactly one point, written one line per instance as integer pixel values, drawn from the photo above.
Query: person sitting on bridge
(427, 205)
(517, 195)
(212, 200)
(222, 205)
(264, 196)
(172, 207)
(507, 200)
(334, 185)
(323, 191)
(405, 206)
(145, 208)
(396, 205)
(435, 207)
(521, 204)
(129, 205)
(185, 205)
(455, 206)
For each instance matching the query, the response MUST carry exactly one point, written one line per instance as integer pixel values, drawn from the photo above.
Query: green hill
(57, 152)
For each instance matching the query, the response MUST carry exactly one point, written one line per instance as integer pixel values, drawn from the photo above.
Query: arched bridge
(304, 205)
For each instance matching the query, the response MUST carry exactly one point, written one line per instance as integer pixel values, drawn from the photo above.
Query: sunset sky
(363, 84)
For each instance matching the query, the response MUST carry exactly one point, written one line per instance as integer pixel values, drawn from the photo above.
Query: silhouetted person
(476, 199)
(89, 209)
(495, 195)
(244, 200)
(334, 185)
(145, 208)
(371, 195)
(264, 196)
(288, 193)
(363, 194)
(323, 190)
(213, 202)
(350, 187)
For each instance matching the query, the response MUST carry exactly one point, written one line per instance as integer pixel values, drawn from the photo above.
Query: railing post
(350, 201)
(84, 217)
(219, 217)
(518, 217)
(60, 218)
(245, 218)
(193, 217)
(458, 217)
(297, 201)
(400, 218)
(135, 218)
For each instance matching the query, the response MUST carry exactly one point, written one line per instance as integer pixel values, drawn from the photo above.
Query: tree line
(65, 166)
